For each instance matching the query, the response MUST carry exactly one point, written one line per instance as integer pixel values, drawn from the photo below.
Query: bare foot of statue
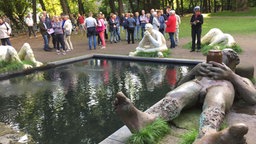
(231, 135)
(133, 118)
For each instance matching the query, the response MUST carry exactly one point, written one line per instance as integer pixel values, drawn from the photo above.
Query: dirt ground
(247, 42)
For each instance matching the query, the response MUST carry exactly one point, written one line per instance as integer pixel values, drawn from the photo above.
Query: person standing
(130, 29)
(91, 25)
(30, 24)
(80, 22)
(48, 24)
(171, 27)
(44, 33)
(143, 22)
(113, 28)
(155, 21)
(196, 22)
(5, 32)
(178, 22)
(161, 21)
(101, 30)
(57, 26)
(137, 27)
(67, 29)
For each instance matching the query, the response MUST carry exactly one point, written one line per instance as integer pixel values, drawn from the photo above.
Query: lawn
(228, 24)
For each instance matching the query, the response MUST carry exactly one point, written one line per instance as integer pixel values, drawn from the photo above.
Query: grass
(13, 66)
(189, 137)
(153, 54)
(205, 48)
(150, 134)
(231, 25)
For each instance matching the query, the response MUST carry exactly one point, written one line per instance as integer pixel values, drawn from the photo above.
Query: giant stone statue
(153, 41)
(212, 85)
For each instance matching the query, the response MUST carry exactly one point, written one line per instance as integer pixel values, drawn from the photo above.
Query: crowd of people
(59, 28)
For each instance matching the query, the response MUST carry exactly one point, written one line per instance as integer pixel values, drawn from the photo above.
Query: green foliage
(253, 80)
(189, 137)
(13, 66)
(205, 47)
(153, 54)
(150, 134)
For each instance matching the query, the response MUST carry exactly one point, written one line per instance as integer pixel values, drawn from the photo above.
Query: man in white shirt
(176, 34)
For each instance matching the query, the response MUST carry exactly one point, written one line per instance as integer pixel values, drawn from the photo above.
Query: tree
(65, 6)
(120, 7)
(112, 6)
(80, 7)
(42, 5)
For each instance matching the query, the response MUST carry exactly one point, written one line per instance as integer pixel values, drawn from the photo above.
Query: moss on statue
(154, 54)
(13, 66)
(151, 134)
(205, 47)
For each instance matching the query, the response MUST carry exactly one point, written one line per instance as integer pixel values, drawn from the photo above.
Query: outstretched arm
(243, 86)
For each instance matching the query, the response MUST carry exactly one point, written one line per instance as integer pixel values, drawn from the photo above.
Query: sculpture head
(149, 27)
(230, 58)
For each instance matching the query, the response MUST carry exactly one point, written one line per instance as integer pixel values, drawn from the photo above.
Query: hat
(197, 8)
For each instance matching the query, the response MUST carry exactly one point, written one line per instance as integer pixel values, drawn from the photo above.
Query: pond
(73, 103)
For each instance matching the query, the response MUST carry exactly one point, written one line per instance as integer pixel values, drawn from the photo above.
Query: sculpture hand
(219, 71)
(201, 69)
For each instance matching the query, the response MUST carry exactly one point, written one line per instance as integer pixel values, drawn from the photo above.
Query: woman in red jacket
(171, 27)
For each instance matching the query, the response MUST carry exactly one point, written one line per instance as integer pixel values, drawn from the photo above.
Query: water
(73, 104)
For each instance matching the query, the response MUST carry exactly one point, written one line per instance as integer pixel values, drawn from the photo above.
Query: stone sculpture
(216, 36)
(153, 41)
(214, 86)
(9, 54)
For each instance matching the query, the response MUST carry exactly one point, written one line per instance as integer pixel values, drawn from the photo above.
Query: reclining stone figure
(153, 41)
(214, 86)
(216, 36)
(9, 54)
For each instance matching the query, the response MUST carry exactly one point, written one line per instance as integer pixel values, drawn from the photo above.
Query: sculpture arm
(199, 70)
(243, 86)
(156, 42)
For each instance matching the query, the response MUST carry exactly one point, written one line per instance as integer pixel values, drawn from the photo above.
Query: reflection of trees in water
(73, 104)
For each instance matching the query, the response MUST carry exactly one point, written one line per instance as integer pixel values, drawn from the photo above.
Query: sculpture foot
(133, 118)
(231, 135)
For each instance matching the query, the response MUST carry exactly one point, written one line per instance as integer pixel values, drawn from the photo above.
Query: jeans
(5, 41)
(92, 38)
(46, 42)
(196, 33)
(130, 34)
(171, 34)
(142, 29)
(60, 40)
(113, 35)
(136, 32)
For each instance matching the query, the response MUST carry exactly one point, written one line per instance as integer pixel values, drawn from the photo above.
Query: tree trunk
(131, 6)
(42, 5)
(120, 7)
(34, 11)
(65, 6)
(240, 5)
(112, 6)
(182, 7)
(81, 7)
(178, 6)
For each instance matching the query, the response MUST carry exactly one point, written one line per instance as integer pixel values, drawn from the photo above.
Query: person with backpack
(5, 32)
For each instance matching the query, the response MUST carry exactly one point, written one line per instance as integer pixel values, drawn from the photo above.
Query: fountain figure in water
(214, 86)
(152, 41)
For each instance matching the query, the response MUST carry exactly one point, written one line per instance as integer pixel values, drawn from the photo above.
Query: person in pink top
(171, 27)
(101, 29)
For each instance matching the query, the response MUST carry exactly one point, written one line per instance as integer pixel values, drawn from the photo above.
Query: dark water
(72, 104)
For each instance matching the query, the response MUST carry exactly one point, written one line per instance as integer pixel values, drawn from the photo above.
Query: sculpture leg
(218, 100)
(168, 108)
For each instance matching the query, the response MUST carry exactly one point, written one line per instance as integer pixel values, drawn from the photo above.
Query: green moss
(205, 47)
(189, 137)
(153, 54)
(13, 66)
(150, 134)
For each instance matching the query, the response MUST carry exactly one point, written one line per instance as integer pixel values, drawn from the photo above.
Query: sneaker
(64, 52)
(68, 50)
(58, 52)
(103, 47)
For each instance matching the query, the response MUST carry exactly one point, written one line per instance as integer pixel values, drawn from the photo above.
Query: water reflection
(73, 103)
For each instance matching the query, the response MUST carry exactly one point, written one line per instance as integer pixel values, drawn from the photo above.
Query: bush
(153, 54)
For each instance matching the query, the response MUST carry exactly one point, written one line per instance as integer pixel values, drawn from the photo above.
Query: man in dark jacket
(196, 22)
(44, 32)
